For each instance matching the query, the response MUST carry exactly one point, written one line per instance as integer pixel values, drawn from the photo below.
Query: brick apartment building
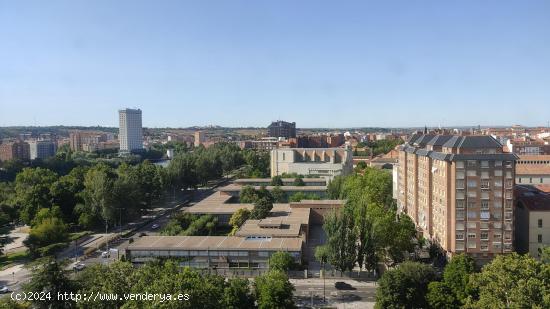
(459, 192)
(15, 150)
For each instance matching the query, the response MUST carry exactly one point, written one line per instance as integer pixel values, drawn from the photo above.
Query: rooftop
(228, 243)
(532, 198)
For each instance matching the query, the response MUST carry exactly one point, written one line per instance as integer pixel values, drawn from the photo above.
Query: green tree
(237, 294)
(545, 255)
(50, 278)
(440, 296)
(277, 181)
(115, 278)
(299, 182)
(66, 190)
(341, 239)
(99, 200)
(49, 231)
(261, 209)
(511, 281)
(281, 261)
(238, 218)
(278, 195)
(32, 190)
(273, 290)
(334, 187)
(248, 195)
(405, 286)
(457, 275)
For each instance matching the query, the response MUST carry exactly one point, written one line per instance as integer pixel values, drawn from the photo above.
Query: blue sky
(245, 63)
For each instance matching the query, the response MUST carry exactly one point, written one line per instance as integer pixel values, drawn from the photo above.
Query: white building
(41, 149)
(323, 162)
(130, 131)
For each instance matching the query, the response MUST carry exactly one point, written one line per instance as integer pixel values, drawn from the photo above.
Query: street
(349, 294)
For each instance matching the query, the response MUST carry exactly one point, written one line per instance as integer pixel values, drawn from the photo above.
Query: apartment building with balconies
(459, 192)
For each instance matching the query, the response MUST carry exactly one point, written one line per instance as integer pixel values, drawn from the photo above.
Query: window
(460, 214)
(459, 226)
(498, 204)
(460, 184)
(460, 175)
(539, 238)
(498, 173)
(471, 173)
(540, 223)
(472, 204)
(485, 175)
(471, 163)
(472, 183)
(485, 205)
(497, 225)
(460, 164)
(484, 164)
(484, 225)
(459, 236)
(472, 245)
(472, 193)
(460, 204)
(484, 236)
(472, 214)
(472, 225)
(497, 236)
(498, 183)
(498, 163)
(485, 184)
(484, 247)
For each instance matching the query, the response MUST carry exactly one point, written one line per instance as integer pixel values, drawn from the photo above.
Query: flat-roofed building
(286, 181)
(321, 162)
(130, 134)
(532, 231)
(459, 192)
(533, 169)
(220, 252)
(282, 129)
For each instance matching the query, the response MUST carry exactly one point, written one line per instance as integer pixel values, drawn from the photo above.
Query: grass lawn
(7, 260)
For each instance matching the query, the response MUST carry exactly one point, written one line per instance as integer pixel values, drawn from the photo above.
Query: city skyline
(245, 64)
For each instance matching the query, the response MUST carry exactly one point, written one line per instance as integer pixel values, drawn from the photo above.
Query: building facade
(459, 192)
(282, 129)
(200, 138)
(532, 217)
(533, 170)
(130, 130)
(41, 149)
(321, 162)
(15, 150)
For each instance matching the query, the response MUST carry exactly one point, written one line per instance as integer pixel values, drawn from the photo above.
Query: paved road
(350, 294)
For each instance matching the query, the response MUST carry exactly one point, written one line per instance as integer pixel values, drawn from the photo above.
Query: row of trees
(190, 169)
(271, 290)
(509, 281)
(367, 230)
(186, 224)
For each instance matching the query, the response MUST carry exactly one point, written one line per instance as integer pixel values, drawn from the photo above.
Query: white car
(79, 266)
(155, 226)
(104, 254)
(4, 289)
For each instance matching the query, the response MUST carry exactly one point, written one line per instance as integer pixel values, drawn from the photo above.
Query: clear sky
(245, 63)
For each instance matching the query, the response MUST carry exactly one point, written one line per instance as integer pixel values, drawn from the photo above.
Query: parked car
(155, 226)
(4, 289)
(79, 266)
(104, 254)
